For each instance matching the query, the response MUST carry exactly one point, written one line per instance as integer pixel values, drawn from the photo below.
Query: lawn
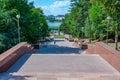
(113, 45)
(59, 36)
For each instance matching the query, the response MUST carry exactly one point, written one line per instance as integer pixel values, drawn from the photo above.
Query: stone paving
(61, 61)
(61, 47)
(63, 67)
(64, 63)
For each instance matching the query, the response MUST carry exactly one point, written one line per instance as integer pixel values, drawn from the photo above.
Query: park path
(61, 46)
(61, 61)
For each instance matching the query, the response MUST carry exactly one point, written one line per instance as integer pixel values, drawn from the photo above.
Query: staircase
(63, 67)
(60, 76)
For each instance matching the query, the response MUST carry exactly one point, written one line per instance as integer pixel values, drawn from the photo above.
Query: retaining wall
(8, 58)
(108, 53)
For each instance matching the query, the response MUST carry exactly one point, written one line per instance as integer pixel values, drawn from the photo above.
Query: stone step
(68, 76)
(10, 76)
(22, 78)
(74, 54)
(28, 76)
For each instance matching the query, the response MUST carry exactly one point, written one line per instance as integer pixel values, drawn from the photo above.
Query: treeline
(93, 19)
(52, 18)
(33, 25)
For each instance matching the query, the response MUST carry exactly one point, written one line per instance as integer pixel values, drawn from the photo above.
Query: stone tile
(67, 64)
(68, 79)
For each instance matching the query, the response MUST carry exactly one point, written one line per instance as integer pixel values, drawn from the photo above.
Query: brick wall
(8, 58)
(91, 49)
(108, 53)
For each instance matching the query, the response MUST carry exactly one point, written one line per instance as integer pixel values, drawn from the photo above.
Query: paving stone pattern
(61, 61)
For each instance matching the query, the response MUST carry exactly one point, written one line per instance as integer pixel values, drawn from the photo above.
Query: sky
(53, 7)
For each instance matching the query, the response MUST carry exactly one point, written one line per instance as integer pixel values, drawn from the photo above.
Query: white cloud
(31, 0)
(56, 7)
(58, 4)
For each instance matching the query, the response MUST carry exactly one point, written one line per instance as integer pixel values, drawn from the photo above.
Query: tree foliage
(33, 25)
(112, 9)
(88, 18)
(77, 16)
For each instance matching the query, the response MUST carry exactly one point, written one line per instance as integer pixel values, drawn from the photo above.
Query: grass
(54, 28)
(113, 45)
(109, 44)
(59, 36)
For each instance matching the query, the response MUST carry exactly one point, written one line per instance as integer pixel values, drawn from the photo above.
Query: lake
(54, 24)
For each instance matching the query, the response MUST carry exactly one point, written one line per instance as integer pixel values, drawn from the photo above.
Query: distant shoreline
(54, 24)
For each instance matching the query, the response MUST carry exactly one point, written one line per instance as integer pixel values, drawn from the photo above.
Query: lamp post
(82, 32)
(18, 17)
(108, 18)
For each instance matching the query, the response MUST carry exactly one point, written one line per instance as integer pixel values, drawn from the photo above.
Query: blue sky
(53, 7)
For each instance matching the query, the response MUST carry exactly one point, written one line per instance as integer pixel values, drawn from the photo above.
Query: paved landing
(61, 61)
(64, 63)
(61, 47)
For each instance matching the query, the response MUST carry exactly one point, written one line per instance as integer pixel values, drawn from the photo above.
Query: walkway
(61, 47)
(59, 62)
(64, 63)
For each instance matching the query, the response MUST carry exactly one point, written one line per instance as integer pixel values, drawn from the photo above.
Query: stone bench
(8, 58)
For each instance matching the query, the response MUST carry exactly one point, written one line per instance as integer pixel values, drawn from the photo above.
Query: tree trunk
(89, 30)
(116, 41)
(116, 38)
(58, 31)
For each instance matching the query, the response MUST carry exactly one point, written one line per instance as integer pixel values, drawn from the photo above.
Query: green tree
(32, 22)
(97, 17)
(75, 20)
(112, 8)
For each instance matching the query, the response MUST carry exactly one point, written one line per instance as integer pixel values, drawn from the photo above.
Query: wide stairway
(61, 67)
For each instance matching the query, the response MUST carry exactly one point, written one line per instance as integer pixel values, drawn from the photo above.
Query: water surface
(54, 24)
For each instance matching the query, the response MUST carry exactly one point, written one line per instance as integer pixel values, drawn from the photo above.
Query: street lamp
(82, 31)
(108, 18)
(18, 17)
